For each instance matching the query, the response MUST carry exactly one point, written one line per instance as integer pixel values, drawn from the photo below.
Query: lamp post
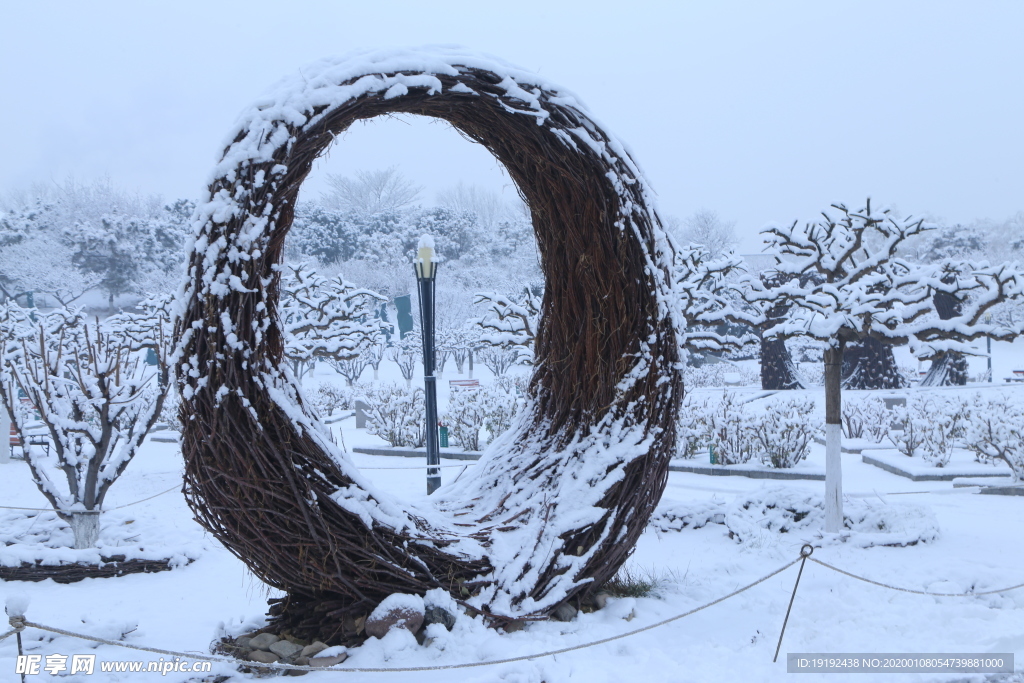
(425, 265)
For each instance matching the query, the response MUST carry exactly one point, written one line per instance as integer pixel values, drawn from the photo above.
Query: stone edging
(416, 452)
(938, 476)
(726, 471)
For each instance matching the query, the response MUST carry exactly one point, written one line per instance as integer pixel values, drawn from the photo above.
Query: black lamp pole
(426, 269)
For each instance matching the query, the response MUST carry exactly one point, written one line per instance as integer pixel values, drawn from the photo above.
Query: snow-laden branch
(509, 324)
(324, 318)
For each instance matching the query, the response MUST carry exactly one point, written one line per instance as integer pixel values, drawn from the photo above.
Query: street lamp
(425, 265)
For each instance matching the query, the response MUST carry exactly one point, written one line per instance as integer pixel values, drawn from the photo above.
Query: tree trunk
(778, 372)
(870, 364)
(469, 357)
(948, 370)
(833, 438)
(375, 377)
(86, 527)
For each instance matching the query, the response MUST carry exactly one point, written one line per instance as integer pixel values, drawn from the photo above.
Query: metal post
(425, 282)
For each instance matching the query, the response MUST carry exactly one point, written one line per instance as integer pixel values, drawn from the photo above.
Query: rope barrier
(910, 590)
(19, 623)
(409, 669)
(176, 487)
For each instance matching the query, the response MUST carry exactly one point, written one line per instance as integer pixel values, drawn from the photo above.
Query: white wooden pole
(5, 436)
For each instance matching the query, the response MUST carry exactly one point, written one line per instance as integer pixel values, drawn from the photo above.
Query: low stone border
(740, 471)
(1012, 490)
(450, 454)
(73, 572)
(938, 475)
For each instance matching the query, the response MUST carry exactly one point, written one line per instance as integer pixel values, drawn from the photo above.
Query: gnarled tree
(556, 505)
(861, 290)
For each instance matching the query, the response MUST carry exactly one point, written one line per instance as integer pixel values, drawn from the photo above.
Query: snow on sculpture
(556, 504)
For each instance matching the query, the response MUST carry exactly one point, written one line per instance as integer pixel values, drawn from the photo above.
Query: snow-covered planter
(995, 431)
(396, 414)
(490, 408)
(784, 432)
(867, 418)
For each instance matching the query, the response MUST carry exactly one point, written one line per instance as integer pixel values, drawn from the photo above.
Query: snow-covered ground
(979, 546)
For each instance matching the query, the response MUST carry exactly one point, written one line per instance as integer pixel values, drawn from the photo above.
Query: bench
(1018, 376)
(464, 383)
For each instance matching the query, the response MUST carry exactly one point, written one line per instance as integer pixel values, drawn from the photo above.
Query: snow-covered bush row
(396, 414)
(329, 398)
(783, 433)
(780, 434)
(867, 418)
(761, 515)
(714, 375)
(931, 427)
(995, 431)
(490, 408)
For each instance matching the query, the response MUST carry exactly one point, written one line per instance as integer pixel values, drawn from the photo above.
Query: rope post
(805, 552)
(17, 622)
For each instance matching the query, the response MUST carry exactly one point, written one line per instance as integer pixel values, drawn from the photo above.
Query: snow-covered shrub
(995, 431)
(693, 428)
(327, 398)
(396, 414)
(714, 375)
(754, 517)
(915, 422)
(946, 430)
(728, 426)
(783, 433)
(867, 418)
(489, 407)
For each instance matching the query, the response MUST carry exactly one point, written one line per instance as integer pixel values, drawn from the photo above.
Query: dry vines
(600, 427)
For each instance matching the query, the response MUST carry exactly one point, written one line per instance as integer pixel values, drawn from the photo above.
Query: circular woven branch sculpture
(556, 505)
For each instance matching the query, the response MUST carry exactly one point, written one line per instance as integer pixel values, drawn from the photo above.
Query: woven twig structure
(558, 502)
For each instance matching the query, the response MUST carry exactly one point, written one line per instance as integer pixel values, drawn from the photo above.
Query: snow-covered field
(979, 546)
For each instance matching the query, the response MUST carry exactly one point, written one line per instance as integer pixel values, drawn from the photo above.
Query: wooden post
(833, 438)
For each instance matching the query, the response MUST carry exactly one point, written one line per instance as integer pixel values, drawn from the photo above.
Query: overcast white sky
(759, 110)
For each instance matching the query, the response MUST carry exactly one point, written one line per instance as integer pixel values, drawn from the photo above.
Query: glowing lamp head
(426, 261)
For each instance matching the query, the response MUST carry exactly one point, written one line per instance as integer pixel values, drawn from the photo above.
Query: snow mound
(44, 538)
(784, 511)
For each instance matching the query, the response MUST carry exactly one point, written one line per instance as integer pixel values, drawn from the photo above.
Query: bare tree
(406, 353)
(371, 191)
(508, 324)
(704, 227)
(486, 204)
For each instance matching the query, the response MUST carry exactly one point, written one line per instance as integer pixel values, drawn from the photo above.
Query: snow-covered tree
(862, 289)
(94, 391)
(706, 229)
(406, 353)
(325, 318)
(509, 324)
